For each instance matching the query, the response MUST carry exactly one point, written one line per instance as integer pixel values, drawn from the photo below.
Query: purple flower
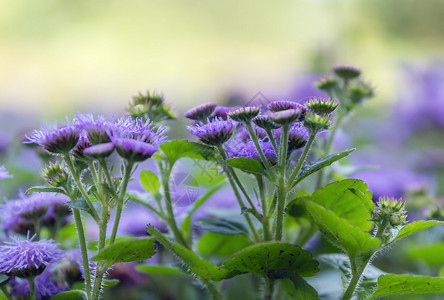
(245, 114)
(58, 140)
(133, 150)
(146, 132)
(286, 117)
(99, 151)
(221, 112)
(243, 135)
(4, 173)
(248, 150)
(264, 121)
(213, 133)
(26, 258)
(297, 136)
(202, 112)
(81, 145)
(276, 106)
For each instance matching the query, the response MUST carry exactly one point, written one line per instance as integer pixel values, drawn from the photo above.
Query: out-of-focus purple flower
(213, 133)
(27, 258)
(297, 137)
(201, 112)
(46, 285)
(276, 106)
(242, 134)
(134, 150)
(248, 150)
(4, 173)
(57, 140)
(221, 112)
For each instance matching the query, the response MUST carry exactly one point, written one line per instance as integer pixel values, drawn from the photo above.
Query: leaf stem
(301, 161)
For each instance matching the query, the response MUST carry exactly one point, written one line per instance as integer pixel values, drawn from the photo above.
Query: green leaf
(308, 169)
(70, 295)
(408, 284)
(79, 203)
(177, 149)
(297, 288)
(194, 263)
(213, 244)
(248, 165)
(414, 227)
(349, 199)
(222, 226)
(43, 189)
(341, 232)
(127, 251)
(3, 278)
(158, 270)
(430, 254)
(149, 181)
(272, 258)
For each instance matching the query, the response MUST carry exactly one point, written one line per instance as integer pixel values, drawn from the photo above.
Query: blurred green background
(58, 57)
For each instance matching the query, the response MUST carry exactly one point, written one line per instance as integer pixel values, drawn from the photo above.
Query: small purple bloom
(248, 150)
(99, 151)
(245, 114)
(276, 106)
(4, 173)
(134, 150)
(264, 121)
(221, 112)
(58, 140)
(213, 133)
(202, 112)
(286, 117)
(26, 258)
(297, 136)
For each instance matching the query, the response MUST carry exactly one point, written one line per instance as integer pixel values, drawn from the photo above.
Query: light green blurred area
(58, 56)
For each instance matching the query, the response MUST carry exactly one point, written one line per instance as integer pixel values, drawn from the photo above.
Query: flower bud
(327, 83)
(391, 210)
(264, 121)
(322, 106)
(316, 123)
(202, 112)
(347, 71)
(55, 174)
(244, 114)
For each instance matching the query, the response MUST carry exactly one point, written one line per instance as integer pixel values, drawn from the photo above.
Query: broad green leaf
(430, 254)
(349, 199)
(308, 169)
(222, 226)
(79, 203)
(414, 227)
(222, 245)
(177, 149)
(408, 284)
(441, 272)
(94, 245)
(272, 258)
(194, 263)
(149, 181)
(341, 232)
(3, 278)
(297, 288)
(127, 251)
(43, 189)
(158, 270)
(70, 295)
(296, 207)
(248, 165)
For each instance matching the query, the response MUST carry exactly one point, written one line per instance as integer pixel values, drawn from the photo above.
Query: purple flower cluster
(249, 150)
(215, 132)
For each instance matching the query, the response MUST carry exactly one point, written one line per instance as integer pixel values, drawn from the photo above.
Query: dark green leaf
(415, 227)
(177, 149)
(308, 169)
(222, 226)
(296, 288)
(272, 258)
(349, 199)
(79, 203)
(408, 284)
(127, 251)
(248, 165)
(341, 232)
(3, 278)
(193, 263)
(213, 244)
(149, 181)
(70, 295)
(296, 207)
(158, 270)
(43, 189)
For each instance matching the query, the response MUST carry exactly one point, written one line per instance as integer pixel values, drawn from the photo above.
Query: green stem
(269, 285)
(82, 241)
(100, 271)
(254, 138)
(265, 218)
(283, 149)
(215, 294)
(31, 288)
(74, 174)
(301, 161)
(357, 271)
(273, 141)
(171, 220)
(281, 195)
(37, 228)
(5, 292)
(119, 200)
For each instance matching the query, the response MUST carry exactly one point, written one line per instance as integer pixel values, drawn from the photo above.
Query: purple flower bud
(55, 174)
(244, 114)
(133, 150)
(327, 83)
(213, 133)
(221, 112)
(99, 151)
(346, 71)
(322, 106)
(286, 117)
(264, 121)
(276, 106)
(26, 258)
(202, 112)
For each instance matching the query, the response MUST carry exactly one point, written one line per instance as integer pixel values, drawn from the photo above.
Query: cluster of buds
(55, 174)
(390, 210)
(150, 106)
(319, 114)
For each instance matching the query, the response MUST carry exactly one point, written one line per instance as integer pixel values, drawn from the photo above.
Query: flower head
(57, 140)
(133, 150)
(276, 106)
(264, 121)
(221, 112)
(55, 174)
(346, 71)
(392, 210)
(213, 133)
(244, 114)
(297, 136)
(27, 258)
(316, 123)
(327, 83)
(286, 117)
(4, 173)
(248, 150)
(99, 151)
(322, 106)
(201, 112)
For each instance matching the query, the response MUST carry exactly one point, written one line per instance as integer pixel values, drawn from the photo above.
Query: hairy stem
(265, 218)
(301, 161)
(32, 288)
(83, 249)
(254, 138)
